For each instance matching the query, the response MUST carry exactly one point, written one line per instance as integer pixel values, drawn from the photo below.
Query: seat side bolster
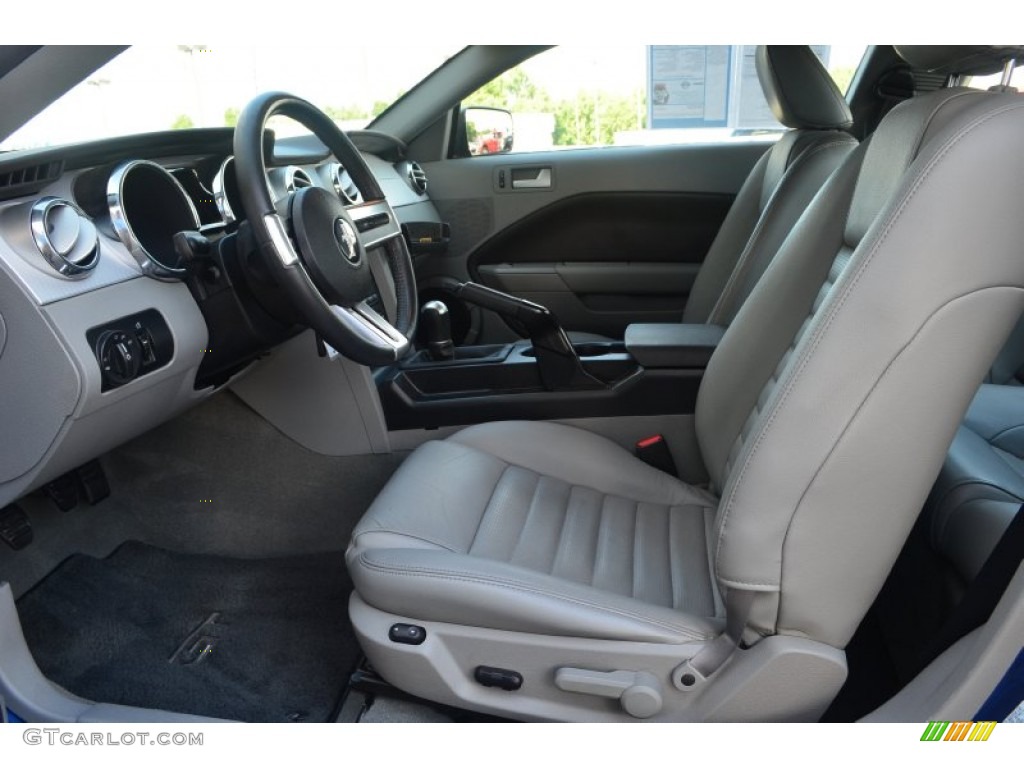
(462, 589)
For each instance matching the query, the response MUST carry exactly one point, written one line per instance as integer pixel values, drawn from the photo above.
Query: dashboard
(128, 292)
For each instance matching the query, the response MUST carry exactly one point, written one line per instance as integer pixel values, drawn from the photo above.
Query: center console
(656, 370)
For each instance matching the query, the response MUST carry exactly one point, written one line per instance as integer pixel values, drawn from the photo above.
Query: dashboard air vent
(295, 179)
(15, 182)
(64, 236)
(417, 178)
(344, 186)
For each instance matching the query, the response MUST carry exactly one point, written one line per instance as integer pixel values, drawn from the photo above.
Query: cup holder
(590, 349)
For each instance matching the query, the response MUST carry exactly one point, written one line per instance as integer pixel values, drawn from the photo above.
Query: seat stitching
(562, 544)
(487, 506)
(676, 600)
(601, 536)
(832, 313)
(529, 514)
(635, 564)
(449, 575)
(863, 403)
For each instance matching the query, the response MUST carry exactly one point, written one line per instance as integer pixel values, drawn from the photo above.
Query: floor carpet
(259, 640)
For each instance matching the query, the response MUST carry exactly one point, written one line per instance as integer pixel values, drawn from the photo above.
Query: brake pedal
(15, 528)
(63, 491)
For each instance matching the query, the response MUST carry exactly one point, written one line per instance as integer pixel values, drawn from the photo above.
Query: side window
(984, 82)
(596, 96)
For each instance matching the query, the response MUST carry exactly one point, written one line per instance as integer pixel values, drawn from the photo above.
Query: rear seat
(981, 485)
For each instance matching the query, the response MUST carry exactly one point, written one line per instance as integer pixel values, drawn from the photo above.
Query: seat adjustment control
(639, 693)
(495, 677)
(407, 634)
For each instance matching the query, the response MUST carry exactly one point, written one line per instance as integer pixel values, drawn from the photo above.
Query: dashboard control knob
(120, 356)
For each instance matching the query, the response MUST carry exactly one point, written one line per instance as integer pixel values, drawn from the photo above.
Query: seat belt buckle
(654, 450)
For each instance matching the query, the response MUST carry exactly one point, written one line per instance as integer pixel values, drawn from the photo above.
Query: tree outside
(591, 118)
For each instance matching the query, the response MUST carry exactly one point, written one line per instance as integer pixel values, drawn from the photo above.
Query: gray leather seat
(981, 486)
(805, 99)
(823, 418)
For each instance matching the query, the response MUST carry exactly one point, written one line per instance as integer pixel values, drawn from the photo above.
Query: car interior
(414, 422)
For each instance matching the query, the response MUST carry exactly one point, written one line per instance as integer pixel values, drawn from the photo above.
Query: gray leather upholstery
(813, 419)
(781, 185)
(823, 419)
(981, 485)
(959, 59)
(799, 90)
(778, 189)
(768, 205)
(541, 528)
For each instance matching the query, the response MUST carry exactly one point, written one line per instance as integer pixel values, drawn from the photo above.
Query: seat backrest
(804, 98)
(826, 410)
(1009, 365)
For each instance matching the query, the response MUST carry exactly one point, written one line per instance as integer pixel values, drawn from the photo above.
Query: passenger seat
(803, 97)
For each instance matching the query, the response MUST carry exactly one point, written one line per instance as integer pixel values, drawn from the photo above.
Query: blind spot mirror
(488, 130)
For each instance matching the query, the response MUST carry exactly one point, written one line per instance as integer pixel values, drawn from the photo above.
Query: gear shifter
(437, 328)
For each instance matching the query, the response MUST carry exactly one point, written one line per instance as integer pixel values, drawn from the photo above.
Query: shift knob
(437, 328)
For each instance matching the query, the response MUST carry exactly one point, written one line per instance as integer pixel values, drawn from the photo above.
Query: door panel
(600, 297)
(602, 261)
(601, 236)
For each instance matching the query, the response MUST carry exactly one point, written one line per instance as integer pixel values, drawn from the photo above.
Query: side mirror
(488, 130)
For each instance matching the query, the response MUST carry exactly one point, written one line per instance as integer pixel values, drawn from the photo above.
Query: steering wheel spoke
(364, 322)
(375, 222)
(318, 250)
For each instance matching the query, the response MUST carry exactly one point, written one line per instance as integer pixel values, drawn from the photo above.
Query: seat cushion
(543, 528)
(981, 485)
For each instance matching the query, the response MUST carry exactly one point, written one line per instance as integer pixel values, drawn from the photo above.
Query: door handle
(531, 178)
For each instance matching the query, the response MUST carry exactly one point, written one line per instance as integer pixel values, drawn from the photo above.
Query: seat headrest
(959, 59)
(799, 90)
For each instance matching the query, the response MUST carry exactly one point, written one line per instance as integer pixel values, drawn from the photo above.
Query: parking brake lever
(560, 366)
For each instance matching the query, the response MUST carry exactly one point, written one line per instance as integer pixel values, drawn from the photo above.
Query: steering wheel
(317, 250)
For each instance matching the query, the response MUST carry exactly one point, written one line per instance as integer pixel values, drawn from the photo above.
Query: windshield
(158, 88)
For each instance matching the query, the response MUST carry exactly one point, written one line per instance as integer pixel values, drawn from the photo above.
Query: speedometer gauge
(148, 207)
